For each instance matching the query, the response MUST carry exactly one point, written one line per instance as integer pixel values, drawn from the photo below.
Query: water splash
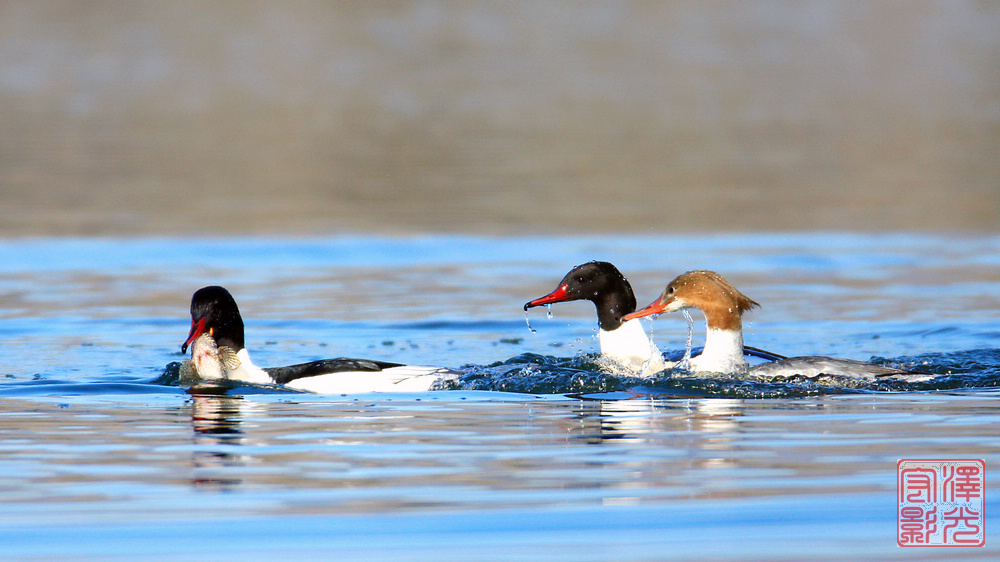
(589, 376)
(686, 361)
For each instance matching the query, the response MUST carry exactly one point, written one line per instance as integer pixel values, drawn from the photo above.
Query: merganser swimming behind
(218, 353)
(723, 306)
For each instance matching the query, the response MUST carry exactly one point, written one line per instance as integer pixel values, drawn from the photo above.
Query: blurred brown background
(120, 118)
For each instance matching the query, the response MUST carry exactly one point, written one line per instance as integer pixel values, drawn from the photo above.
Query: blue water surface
(540, 455)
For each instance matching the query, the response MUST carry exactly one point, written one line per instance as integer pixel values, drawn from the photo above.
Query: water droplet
(548, 311)
(686, 361)
(528, 322)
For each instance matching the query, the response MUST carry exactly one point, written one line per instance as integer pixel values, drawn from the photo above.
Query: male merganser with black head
(218, 352)
(602, 284)
(723, 306)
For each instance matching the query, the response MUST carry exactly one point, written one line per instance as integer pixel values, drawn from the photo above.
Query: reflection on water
(449, 453)
(101, 459)
(638, 420)
(217, 424)
(695, 434)
(479, 453)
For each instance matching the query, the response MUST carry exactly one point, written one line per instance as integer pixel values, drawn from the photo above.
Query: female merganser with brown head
(218, 353)
(723, 306)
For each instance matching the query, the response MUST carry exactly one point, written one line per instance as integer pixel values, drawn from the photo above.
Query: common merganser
(723, 306)
(602, 284)
(218, 353)
(623, 341)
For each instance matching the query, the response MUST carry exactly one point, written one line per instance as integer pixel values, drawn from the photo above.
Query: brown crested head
(722, 304)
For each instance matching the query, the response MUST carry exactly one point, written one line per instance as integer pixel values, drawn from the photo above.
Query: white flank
(247, 371)
(395, 379)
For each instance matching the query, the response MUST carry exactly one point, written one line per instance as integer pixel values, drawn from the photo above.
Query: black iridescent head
(598, 282)
(214, 310)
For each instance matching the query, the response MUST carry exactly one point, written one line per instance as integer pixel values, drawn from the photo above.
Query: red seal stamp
(940, 502)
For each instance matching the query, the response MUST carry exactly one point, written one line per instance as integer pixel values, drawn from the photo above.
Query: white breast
(723, 352)
(630, 346)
